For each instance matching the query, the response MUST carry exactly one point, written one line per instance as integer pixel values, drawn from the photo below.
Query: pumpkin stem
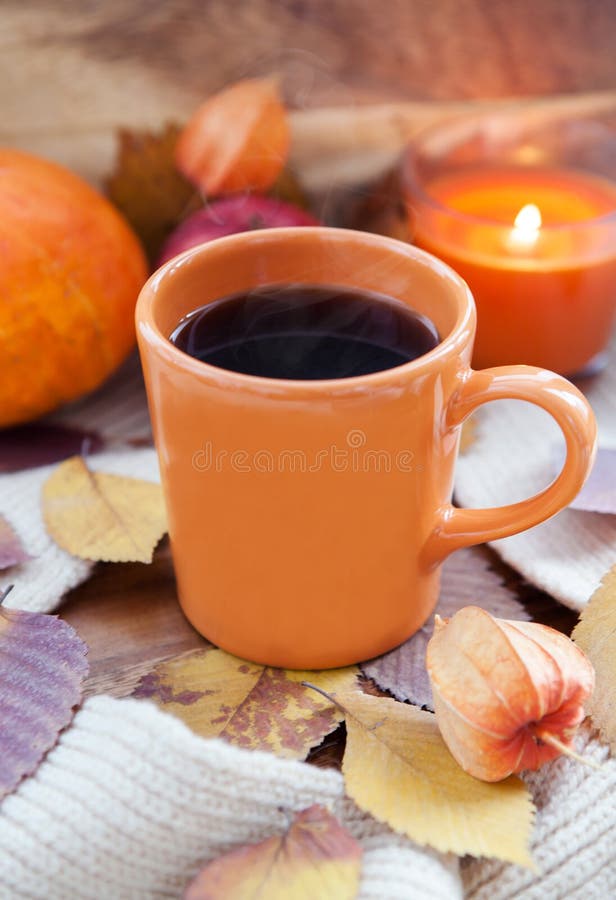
(548, 738)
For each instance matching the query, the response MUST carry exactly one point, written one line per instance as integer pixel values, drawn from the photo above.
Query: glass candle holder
(523, 206)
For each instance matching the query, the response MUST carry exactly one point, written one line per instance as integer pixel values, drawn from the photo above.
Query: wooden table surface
(129, 616)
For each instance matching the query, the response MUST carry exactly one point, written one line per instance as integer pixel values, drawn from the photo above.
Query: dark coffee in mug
(305, 332)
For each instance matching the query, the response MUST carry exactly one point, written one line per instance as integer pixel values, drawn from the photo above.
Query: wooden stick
(345, 145)
(553, 741)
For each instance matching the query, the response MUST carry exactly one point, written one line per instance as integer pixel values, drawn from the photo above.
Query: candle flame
(527, 224)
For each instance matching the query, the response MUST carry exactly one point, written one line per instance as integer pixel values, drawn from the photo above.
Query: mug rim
(452, 343)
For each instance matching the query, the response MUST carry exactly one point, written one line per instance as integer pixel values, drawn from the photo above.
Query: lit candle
(537, 247)
(526, 227)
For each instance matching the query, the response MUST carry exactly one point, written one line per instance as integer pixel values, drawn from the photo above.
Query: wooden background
(337, 50)
(71, 71)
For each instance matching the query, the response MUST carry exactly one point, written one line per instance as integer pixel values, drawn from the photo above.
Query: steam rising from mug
(305, 332)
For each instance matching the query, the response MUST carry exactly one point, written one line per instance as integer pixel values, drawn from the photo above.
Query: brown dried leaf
(396, 767)
(289, 189)
(382, 210)
(42, 667)
(103, 517)
(466, 579)
(219, 695)
(147, 188)
(12, 552)
(315, 858)
(595, 634)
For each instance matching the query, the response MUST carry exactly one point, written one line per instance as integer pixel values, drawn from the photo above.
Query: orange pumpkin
(70, 272)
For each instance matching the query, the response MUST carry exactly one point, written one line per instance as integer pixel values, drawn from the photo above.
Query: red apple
(229, 216)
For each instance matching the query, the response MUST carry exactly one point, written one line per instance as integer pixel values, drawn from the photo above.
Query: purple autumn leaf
(39, 444)
(12, 552)
(467, 579)
(42, 667)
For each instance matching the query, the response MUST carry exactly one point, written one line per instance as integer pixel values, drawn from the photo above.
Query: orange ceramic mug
(308, 518)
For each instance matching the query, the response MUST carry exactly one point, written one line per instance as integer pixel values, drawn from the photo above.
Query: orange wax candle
(537, 247)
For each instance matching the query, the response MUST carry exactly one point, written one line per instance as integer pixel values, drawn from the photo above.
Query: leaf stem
(5, 593)
(553, 741)
(327, 696)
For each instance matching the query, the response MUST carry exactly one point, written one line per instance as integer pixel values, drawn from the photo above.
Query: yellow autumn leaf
(396, 767)
(315, 859)
(98, 516)
(253, 706)
(595, 634)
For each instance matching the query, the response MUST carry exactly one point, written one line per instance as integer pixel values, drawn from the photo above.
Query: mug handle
(458, 528)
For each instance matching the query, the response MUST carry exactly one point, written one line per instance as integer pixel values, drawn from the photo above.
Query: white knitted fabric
(40, 584)
(573, 842)
(513, 457)
(131, 803)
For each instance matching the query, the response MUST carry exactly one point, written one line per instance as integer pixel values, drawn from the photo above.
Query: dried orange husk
(238, 140)
(506, 694)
